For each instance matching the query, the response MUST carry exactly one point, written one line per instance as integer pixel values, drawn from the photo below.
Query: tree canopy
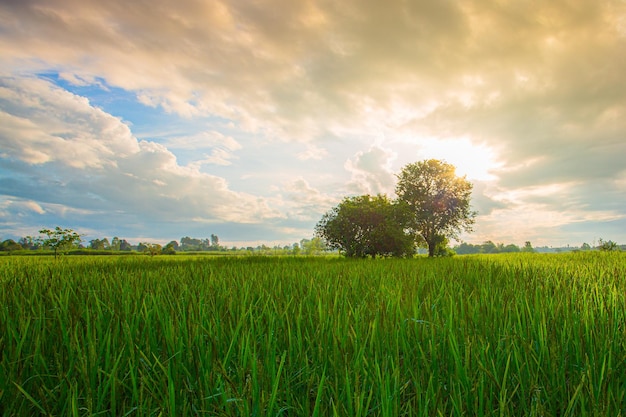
(438, 200)
(433, 205)
(366, 226)
(59, 239)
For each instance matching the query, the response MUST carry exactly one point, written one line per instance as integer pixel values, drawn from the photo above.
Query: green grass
(518, 335)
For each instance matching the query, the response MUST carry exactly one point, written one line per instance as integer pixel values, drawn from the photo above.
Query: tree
(150, 248)
(607, 245)
(96, 244)
(115, 243)
(125, 246)
(10, 245)
(170, 248)
(188, 244)
(173, 244)
(215, 242)
(528, 247)
(438, 200)
(29, 242)
(467, 248)
(489, 247)
(366, 226)
(510, 248)
(59, 239)
(313, 246)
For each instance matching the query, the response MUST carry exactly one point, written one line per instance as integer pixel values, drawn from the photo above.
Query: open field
(508, 335)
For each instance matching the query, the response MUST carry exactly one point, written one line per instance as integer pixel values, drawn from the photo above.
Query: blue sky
(156, 120)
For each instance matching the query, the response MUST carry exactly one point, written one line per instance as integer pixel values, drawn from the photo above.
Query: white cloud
(33, 206)
(94, 154)
(221, 147)
(312, 152)
(499, 85)
(42, 123)
(371, 171)
(304, 202)
(202, 140)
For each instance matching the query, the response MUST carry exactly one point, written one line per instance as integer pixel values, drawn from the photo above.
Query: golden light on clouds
(241, 98)
(477, 162)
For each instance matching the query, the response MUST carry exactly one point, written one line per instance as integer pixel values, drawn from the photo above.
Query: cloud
(371, 171)
(33, 206)
(312, 152)
(203, 140)
(306, 203)
(216, 157)
(40, 124)
(87, 159)
(19, 208)
(540, 85)
(297, 71)
(221, 147)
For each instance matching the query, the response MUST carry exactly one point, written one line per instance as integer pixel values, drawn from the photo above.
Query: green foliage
(189, 244)
(485, 247)
(442, 248)
(59, 240)
(439, 201)
(9, 245)
(528, 247)
(506, 335)
(607, 246)
(366, 226)
(170, 248)
(315, 246)
(151, 249)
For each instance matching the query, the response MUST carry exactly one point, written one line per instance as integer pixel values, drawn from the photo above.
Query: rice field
(501, 335)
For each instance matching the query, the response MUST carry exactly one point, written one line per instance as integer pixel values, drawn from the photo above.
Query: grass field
(503, 335)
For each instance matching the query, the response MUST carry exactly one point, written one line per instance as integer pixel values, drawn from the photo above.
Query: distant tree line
(61, 240)
(490, 247)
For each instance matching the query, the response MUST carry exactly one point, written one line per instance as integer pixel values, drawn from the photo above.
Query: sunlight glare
(475, 161)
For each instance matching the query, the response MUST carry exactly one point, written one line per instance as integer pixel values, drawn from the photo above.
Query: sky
(151, 120)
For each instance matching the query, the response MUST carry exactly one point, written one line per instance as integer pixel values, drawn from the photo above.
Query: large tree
(438, 200)
(366, 226)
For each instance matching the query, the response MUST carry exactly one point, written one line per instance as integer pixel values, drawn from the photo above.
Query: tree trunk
(431, 249)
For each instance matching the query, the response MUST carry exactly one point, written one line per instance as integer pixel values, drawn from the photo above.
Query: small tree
(29, 242)
(150, 248)
(315, 246)
(96, 244)
(438, 200)
(170, 248)
(528, 247)
(115, 243)
(215, 242)
(59, 239)
(607, 246)
(125, 246)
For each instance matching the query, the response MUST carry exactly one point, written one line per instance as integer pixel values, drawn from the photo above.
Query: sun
(476, 162)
